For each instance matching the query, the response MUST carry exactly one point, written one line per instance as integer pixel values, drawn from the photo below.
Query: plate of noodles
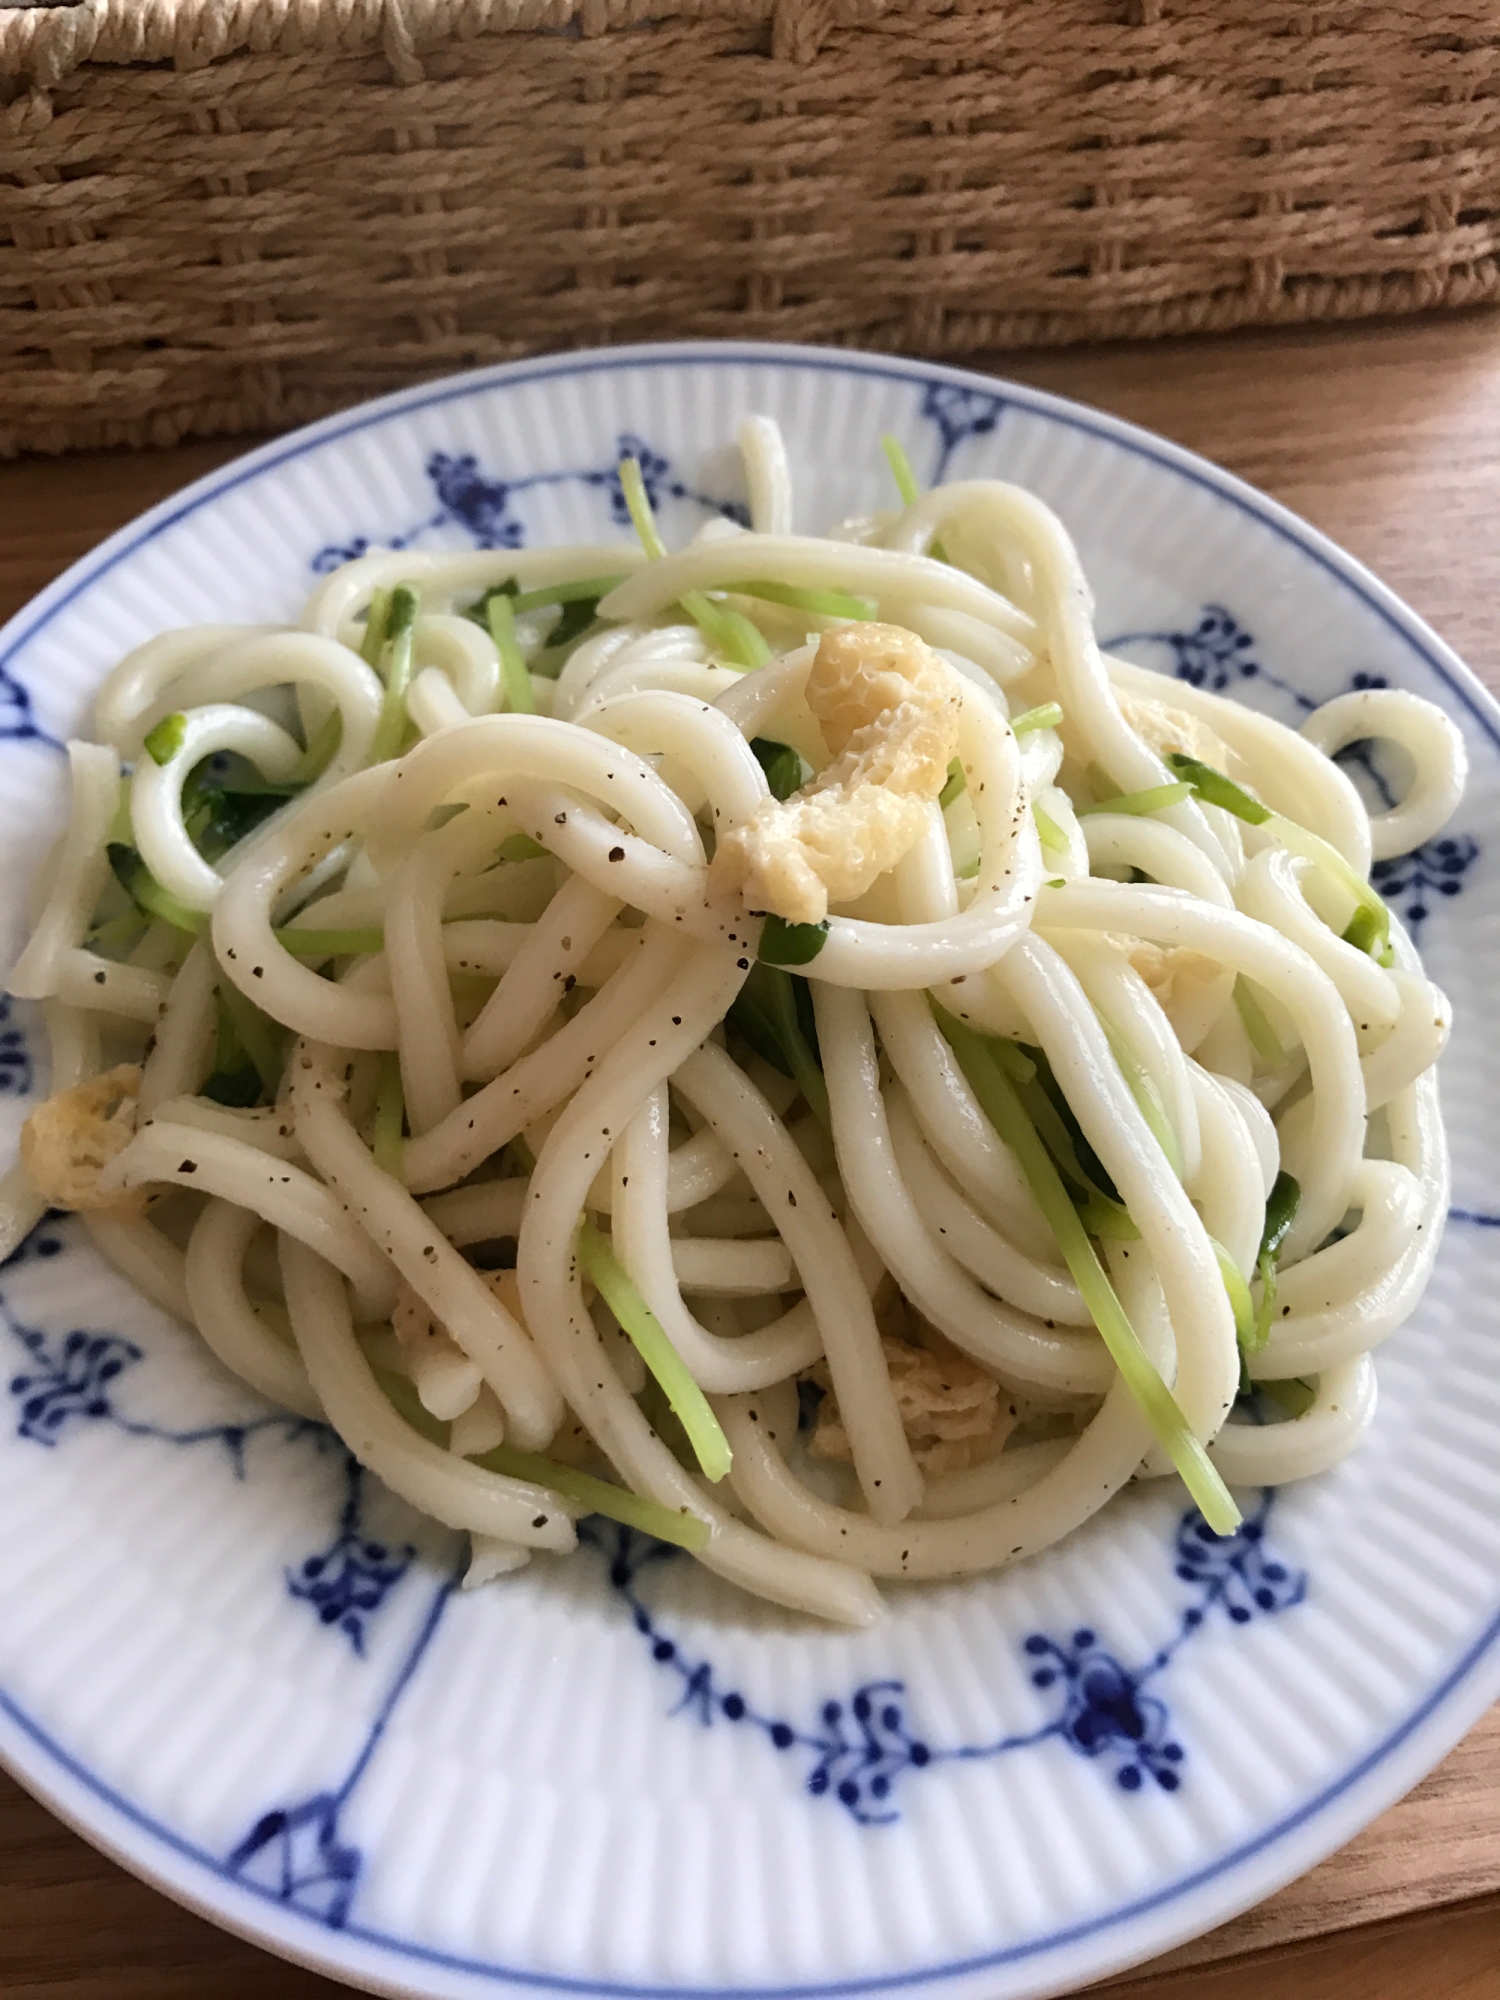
(732, 1266)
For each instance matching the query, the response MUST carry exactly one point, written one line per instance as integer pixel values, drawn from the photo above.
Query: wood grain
(1387, 438)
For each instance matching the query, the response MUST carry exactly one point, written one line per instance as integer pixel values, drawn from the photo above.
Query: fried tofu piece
(1164, 729)
(71, 1138)
(953, 1412)
(888, 707)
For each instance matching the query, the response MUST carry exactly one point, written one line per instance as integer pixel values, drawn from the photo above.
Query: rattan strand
(220, 215)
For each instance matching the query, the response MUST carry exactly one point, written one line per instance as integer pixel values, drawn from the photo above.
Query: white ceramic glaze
(245, 1672)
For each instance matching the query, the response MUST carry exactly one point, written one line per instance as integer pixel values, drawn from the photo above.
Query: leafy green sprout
(782, 943)
(377, 623)
(321, 748)
(781, 763)
(577, 605)
(1282, 1204)
(1296, 1396)
(261, 1039)
(773, 1011)
(234, 1079)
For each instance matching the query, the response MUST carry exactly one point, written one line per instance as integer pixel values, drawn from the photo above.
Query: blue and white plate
(245, 1672)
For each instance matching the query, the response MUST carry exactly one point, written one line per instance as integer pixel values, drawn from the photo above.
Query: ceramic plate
(245, 1672)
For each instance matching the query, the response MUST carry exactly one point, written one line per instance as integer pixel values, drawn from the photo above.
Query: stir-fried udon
(780, 1043)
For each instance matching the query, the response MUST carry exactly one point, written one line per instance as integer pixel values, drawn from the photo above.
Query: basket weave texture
(219, 215)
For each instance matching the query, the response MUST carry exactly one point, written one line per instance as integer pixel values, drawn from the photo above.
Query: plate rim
(1246, 1873)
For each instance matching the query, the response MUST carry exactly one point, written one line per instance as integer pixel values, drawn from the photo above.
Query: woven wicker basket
(219, 215)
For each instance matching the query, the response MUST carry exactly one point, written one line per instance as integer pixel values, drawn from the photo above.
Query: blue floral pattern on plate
(862, 1744)
(483, 504)
(66, 1379)
(348, 1582)
(857, 1747)
(958, 413)
(18, 723)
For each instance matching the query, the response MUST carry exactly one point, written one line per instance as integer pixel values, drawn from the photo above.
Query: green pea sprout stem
(906, 484)
(321, 747)
(955, 785)
(1239, 1296)
(638, 506)
(735, 641)
(1003, 1108)
(1142, 1086)
(821, 603)
(765, 1012)
(729, 633)
(649, 1338)
(1046, 715)
(1155, 798)
(377, 625)
(519, 695)
(1371, 923)
(390, 1114)
(255, 1033)
(1052, 836)
(351, 943)
(400, 623)
(599, 1496)
(167, 738)
(1282, 1204)
(521, 847)
(901, 472)
(584, 590)
(143, 889)
(1263, 1037)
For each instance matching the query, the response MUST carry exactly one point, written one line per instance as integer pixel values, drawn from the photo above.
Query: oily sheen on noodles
(781, 1043)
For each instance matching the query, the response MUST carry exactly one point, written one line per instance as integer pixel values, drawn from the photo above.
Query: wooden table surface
(1388, 438)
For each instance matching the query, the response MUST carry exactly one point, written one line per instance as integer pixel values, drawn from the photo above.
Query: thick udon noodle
(561, 1022)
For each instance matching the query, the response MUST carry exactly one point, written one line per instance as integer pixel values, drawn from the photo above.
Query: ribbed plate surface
(246, 1674)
